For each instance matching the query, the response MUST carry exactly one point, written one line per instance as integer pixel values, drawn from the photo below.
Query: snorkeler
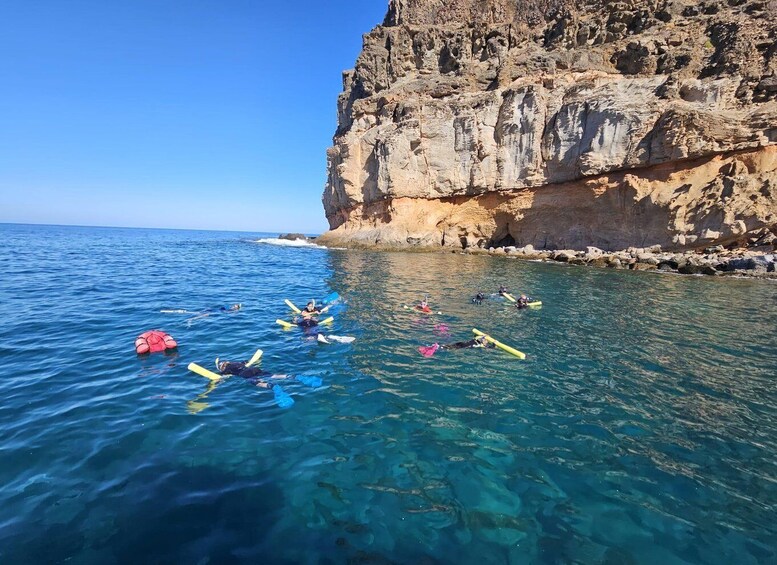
(305, 323)
(478, 298)
(523, 302)
(243, 369)
(257, 376)
(206, 312)
(310, 310)
(423, 306)
(478, 342)
(215, 310)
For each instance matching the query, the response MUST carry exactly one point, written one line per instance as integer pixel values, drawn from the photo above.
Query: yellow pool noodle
(203, 372)
(500, 345)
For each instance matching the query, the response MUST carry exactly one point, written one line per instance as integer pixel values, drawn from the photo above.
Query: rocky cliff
(559, 124)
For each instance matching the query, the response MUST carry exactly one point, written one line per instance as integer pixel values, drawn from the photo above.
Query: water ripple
(641, 427)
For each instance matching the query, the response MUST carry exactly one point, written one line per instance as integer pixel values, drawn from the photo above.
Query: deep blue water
(642, 428)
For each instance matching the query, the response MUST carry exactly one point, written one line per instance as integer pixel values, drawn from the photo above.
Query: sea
(640, 428)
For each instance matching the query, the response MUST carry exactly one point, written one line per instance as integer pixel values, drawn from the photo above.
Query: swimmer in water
(216, 310)
(478, 342)
(310, 310)
(257, 376)
(423, 306)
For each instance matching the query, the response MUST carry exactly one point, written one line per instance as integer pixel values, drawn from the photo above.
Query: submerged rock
(293, 236)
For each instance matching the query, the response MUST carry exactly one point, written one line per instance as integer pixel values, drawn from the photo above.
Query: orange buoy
(153, 341)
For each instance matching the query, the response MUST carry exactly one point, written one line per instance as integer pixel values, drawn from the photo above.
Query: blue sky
(208, 114)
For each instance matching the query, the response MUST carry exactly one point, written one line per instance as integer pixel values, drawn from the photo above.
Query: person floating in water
(311, 310)
(478, 298)
(523, 302)
(261, 378)
(216, 310)
(423, 306)
(245, 370)
(503, 290)
(477, 342)
(257, 376)
(306, 324)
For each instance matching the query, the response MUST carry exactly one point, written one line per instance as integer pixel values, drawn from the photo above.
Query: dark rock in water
(696, 267)
(744, 263)
(668, 265)
(564, 255)
(293, 236)
(759, 262)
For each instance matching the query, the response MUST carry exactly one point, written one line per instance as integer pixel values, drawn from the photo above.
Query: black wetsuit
(240, 369)
(466, 344)
(307, 323)
(478, 298)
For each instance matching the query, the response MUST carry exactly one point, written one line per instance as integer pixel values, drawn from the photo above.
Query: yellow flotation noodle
(535, 304)
(203, 372)
(288, 325)
(256, 358)
(508, 296)
(290, 304)
(500, 345)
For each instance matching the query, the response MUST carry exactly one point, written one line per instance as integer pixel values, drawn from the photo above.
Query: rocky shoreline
(755, 257)
(714, 261)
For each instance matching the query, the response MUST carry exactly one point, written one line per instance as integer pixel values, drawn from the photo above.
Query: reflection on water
(641, 428)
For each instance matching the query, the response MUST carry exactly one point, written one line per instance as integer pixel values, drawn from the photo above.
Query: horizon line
(151, 228)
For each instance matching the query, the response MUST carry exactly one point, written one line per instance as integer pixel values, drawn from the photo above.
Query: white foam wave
(289, 242)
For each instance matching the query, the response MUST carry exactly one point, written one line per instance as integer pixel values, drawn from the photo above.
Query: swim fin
(255, 359)
(428, 351)
(321, 338)
(331, 298)
(282, 398)
(314, 382)
(341, 338)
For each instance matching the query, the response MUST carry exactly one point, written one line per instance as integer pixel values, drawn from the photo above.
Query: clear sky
(210, 114)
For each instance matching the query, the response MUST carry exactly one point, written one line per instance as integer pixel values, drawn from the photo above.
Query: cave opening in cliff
(501, 236)
(505, 241)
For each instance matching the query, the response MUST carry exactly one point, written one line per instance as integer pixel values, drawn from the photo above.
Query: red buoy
(153, 341)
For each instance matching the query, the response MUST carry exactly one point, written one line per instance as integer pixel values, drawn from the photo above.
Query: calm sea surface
(641, 428)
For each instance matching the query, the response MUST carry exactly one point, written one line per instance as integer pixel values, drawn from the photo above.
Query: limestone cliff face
(559, 124)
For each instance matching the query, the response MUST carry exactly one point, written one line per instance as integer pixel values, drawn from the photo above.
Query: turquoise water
(642, 428)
